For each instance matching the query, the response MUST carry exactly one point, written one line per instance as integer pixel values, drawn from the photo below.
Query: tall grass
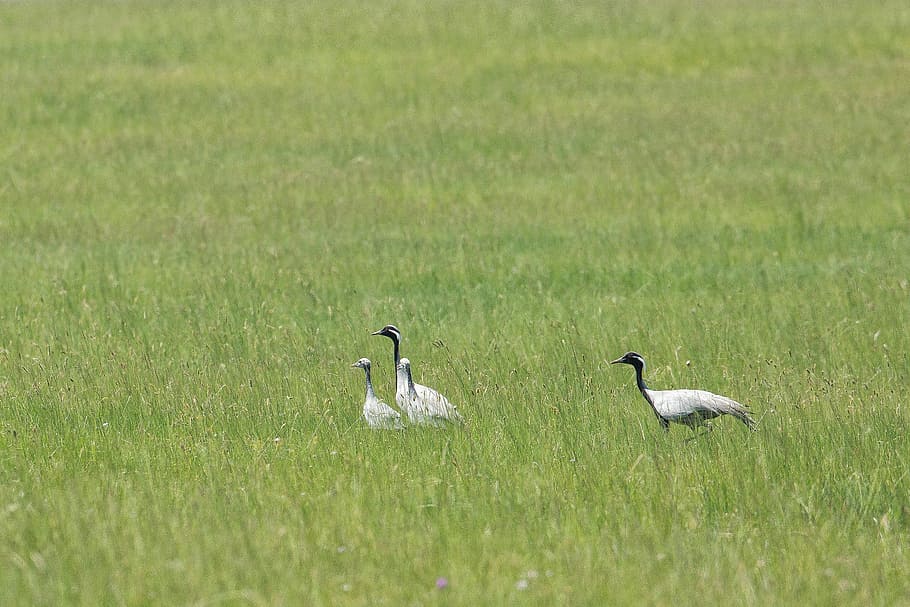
(206, 208)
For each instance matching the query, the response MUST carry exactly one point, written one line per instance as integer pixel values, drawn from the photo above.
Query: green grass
(206, 208)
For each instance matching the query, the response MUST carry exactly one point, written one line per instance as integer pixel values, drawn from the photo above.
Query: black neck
(397, 356)
(369, 383)
(639, 379)
(639, 369)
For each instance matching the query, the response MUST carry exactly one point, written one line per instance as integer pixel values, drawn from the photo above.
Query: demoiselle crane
(401, 385)
(689, 407)
(377, 414)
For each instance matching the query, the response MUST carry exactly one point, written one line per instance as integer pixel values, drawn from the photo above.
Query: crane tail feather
(742, 414)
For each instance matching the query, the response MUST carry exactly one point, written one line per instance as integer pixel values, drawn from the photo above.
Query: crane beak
(379, 332)
(617, 361)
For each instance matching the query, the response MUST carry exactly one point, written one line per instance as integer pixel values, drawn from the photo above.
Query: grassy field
(206, 208)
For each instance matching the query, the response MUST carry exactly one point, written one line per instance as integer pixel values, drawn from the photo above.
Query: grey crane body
(377, 414)
(425, 405)
(688, 407)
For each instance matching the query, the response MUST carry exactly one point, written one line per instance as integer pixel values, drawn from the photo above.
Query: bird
(401, 384)
(377, 414)
(425, 405)
(689, 407)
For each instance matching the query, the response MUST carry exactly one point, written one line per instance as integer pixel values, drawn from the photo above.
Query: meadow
(207, 207)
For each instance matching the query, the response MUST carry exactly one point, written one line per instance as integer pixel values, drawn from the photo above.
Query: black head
(390, 331)
(630, 358)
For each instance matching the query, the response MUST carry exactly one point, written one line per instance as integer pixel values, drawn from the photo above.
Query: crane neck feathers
(404, 378)
(646, 393)
(369, 387)
(640, 380)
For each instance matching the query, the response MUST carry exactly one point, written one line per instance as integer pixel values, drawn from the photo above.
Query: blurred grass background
(205, 209)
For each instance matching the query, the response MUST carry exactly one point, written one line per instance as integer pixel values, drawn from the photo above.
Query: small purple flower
(442, 583)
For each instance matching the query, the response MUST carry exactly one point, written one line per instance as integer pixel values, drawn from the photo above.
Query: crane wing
(437, 406)
(680, 404)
